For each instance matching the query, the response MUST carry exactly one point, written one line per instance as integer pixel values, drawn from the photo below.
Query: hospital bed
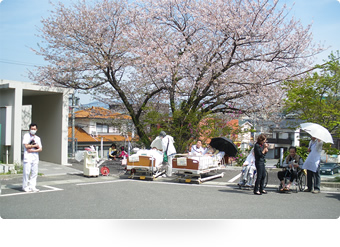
(197, 169)
(145, 164)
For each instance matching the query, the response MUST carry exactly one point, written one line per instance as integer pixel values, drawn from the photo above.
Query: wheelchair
(245, 184)
(299, 184)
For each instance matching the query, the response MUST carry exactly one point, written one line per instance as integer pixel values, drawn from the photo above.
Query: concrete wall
(12, 97)
(47, 111)
(49, 107)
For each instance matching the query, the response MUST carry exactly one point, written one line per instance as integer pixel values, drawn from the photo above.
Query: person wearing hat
(168, 148)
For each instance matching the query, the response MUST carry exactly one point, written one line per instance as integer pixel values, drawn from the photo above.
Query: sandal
(257, 193)
(286, 189)
(264, 192)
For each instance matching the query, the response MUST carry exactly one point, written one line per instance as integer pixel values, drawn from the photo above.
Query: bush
(241, 156)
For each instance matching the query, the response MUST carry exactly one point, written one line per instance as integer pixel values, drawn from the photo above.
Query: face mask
(33, 132)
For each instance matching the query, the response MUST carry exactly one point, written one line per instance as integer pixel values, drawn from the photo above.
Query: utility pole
(74, 103)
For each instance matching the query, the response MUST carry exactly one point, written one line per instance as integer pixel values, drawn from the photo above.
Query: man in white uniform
(312, 165)
(32, 147)
(168, 149)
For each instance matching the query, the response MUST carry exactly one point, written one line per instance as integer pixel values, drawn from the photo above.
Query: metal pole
(73, 124)
(101, 148)
(255, 128)
(281, 156)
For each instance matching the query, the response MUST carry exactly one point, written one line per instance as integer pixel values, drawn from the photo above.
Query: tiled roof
(82, 136)
(99, 113)
(234, 124)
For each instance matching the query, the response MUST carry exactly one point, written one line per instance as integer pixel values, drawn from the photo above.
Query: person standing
(168, 149)
(32, 147)
(260, 151)
(312, 165)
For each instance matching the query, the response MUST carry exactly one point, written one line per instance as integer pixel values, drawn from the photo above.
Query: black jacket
(259, 156)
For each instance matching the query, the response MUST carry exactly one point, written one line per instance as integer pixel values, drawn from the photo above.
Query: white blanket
(157, 155)
(206, 162)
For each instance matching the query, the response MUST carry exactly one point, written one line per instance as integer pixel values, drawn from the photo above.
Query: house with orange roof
(98, 126)
(232, 125)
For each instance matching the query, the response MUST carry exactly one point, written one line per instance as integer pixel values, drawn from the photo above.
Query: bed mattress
(194, 163)
(197, 163)
(145, 158)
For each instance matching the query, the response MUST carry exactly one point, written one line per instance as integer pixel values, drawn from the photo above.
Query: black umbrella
(224, 144)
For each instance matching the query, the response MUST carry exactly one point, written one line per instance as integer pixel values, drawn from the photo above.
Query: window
(283, 136)
(102, 128)
(113, 129)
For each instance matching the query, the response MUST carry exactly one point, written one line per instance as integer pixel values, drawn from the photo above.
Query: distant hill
(96, 104)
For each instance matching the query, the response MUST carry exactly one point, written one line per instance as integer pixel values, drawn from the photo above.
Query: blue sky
(19, 20)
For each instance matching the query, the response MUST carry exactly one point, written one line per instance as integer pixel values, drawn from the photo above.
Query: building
(245, 137)
(282, 135)
(22, 103)
(100, 127)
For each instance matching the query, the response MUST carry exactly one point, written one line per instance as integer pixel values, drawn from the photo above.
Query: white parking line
(50, 187)
(207, 184)
(105, 182)
(29, 193)
(234, 178)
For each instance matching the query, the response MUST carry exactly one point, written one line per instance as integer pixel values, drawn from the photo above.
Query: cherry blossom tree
(199, 57)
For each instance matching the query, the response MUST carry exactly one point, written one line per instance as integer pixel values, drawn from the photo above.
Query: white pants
(250, 177)
(30, 174)
(247, 175)
(169, 165)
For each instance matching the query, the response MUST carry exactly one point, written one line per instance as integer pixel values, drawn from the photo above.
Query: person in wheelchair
(292, 164)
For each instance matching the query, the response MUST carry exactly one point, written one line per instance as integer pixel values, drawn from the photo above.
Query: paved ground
(50, 171)
(110, 198)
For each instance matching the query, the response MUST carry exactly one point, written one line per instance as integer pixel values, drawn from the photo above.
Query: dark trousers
(313, 179)
(261, 175)
(282, 174)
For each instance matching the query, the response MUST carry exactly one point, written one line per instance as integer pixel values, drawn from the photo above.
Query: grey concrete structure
(48, 107)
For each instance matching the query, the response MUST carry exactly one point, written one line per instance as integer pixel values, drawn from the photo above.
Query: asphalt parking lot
(74, 172)
(231, 174)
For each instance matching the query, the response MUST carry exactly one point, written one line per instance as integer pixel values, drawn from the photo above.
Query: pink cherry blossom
(224, 55)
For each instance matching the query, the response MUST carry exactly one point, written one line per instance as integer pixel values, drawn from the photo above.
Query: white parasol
(317, 131)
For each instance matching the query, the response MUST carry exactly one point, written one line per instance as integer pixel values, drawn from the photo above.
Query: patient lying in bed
(212, 159)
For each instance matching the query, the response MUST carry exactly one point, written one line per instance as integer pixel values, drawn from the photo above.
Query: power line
(18, 63)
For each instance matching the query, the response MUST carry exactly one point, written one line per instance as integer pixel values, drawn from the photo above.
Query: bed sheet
(204, 162)
(157, 155)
